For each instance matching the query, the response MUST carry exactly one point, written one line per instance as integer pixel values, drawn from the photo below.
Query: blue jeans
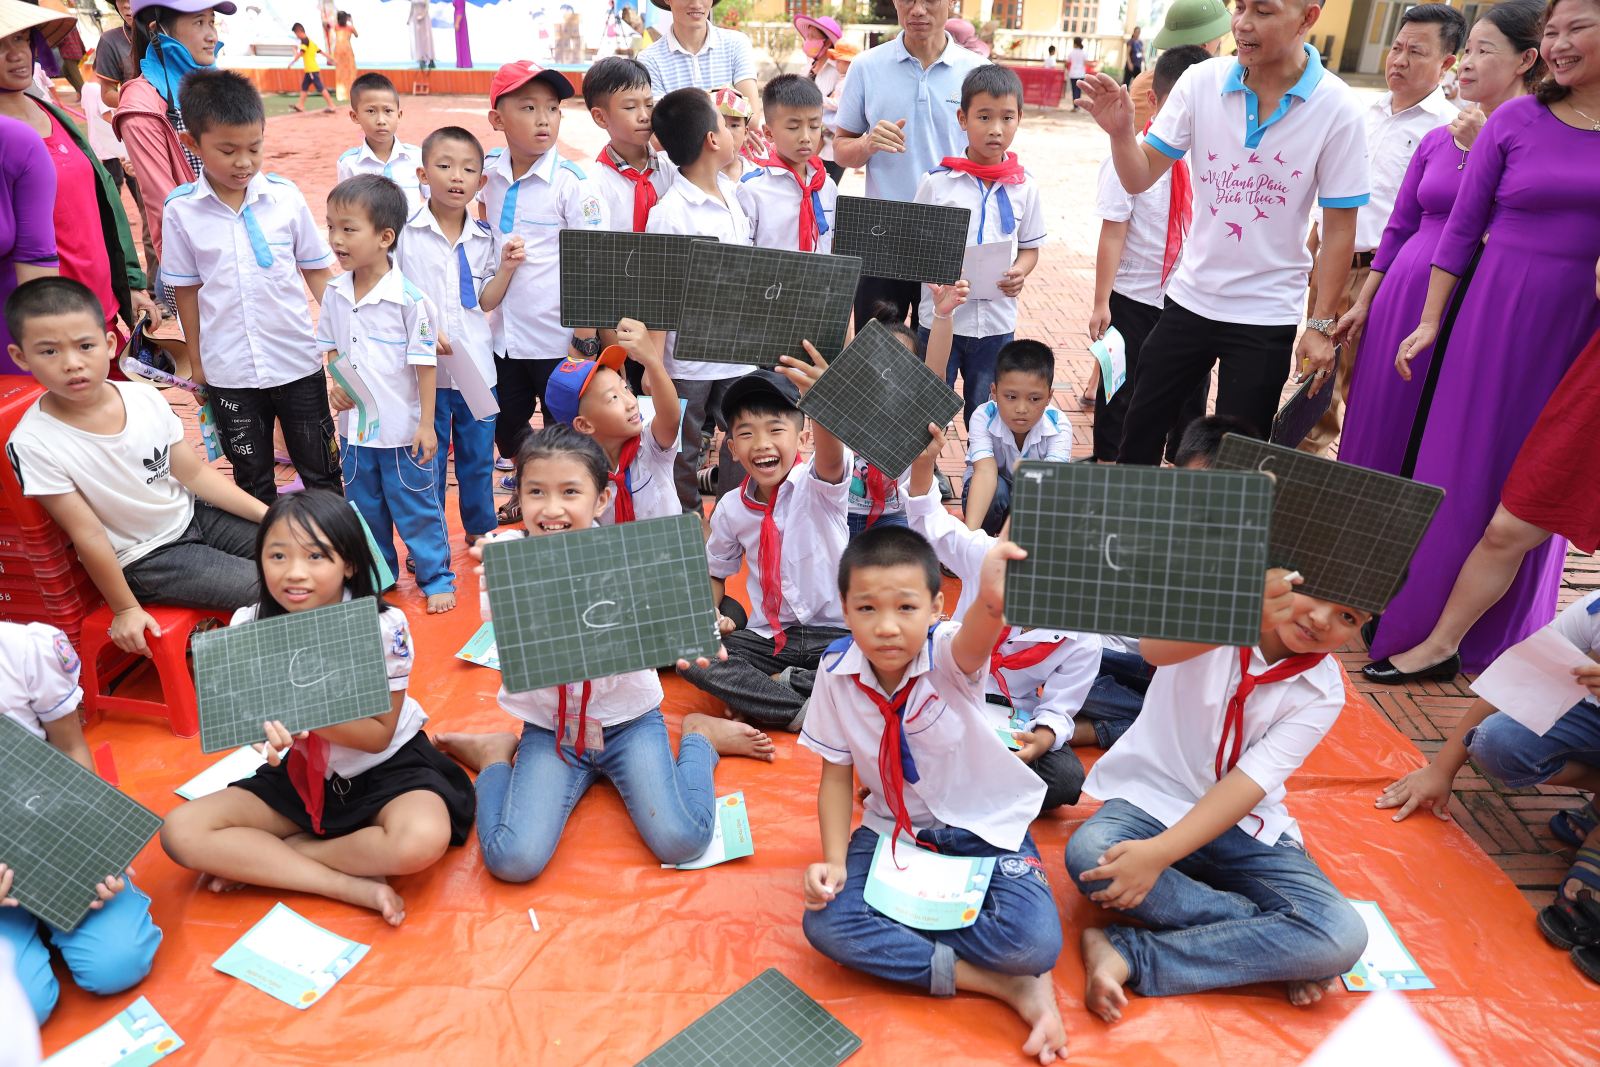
(1117, 696)
(1519, 757)
(110, 951)
(1018, 931)
(522, 809)
(474, 456)
(856, 521)
(999, 506)
(973, 358)
(394, 493)
(1233, 912)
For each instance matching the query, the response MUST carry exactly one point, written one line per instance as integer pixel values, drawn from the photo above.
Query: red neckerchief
(895, 766)
(812, 225)
(308, 773)
(1031, 656)
(644, 191)
(1233, 719)
(561, 719)
(1007, 172)
(877, 493)
(1180, 214)
(622, 509)
(770, 560)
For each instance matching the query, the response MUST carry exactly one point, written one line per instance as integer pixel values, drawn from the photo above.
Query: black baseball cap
(763, 384)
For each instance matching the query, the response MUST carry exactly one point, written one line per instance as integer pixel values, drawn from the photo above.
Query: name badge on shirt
(594, 735)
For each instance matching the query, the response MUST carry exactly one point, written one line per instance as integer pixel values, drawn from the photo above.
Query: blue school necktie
(1008, 218)
(508, 210)
(258, 239)
(469, 298)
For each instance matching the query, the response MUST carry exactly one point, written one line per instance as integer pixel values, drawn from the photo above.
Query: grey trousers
(744, 681)
(700, 398)
(211, 565)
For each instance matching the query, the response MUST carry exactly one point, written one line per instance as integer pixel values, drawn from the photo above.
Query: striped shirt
(725, 59)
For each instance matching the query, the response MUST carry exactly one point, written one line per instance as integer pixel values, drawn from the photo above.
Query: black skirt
(351, 804)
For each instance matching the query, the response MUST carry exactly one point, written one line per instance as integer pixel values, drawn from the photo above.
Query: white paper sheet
(1111, 352)
(983, 266)
(1532, 681)
(458, 371)
(240, 763)
(1383, 1030)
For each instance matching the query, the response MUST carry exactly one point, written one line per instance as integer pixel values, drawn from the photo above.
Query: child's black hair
(889, 546)
(1203, 437)
(791, 91)
(558, 440)
(999, 82)
(213, 97)
(342, 18)
(49, 296)
(380, 199)
(298, 27)
(451, 133)
(331, 526)
(1171, 65)
(681, 121)
(887, 313)
(613, 75)
(1026, 356)
(372, 82)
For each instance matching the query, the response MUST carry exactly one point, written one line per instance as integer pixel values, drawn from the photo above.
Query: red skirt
(1553, 482)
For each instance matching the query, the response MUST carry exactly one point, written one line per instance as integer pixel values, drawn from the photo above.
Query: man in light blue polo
(897, 118)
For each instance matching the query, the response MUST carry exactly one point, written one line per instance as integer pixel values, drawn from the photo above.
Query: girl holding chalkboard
(336, 810)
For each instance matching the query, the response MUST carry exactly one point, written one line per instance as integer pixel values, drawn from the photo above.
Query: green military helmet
(1193, 22)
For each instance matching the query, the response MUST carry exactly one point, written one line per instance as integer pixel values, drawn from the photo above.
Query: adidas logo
(159, 464)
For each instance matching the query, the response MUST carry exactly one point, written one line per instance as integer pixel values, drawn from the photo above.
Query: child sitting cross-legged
(1019, 423)
(899, 702)
(1193, 840)
(608, 727)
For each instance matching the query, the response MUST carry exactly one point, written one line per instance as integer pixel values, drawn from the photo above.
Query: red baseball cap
(514, 76)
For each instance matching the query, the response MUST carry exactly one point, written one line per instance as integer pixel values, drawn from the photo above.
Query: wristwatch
(588, 347)
(1322, 326)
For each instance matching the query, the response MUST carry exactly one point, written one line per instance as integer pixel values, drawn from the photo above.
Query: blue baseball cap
(568, 381)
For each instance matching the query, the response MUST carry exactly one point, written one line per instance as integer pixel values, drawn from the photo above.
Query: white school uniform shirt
(1392, 140)
(1077, 64)
(398, 656)
(1166, 761)
(386, 335)
(649, 476)
(1580, 624)
(894, 501)
(770, 197)
(452, 277)
(255, 323)
(989, 436)
(38, 675)
(967, 777)
(810, 514)
(687, 209)
(124, 477)
(102, 138)
(1000, 212)
(616, 192)
(401, 168)
(1256, 179)
(1048, 693)
(1144, 249)
(552, 195)
(613, 700)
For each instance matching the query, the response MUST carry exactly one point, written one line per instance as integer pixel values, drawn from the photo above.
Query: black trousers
(903, 295)
(244, 429)
(1134, 320)
(835, 171)
(521, 391)
(1175, 358)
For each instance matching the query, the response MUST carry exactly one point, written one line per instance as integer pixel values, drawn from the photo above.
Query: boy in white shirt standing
(988, 180)
(789, 198)
(632, 176)
(375, 107)
(702, 202)
(900, 703)
(237, 244)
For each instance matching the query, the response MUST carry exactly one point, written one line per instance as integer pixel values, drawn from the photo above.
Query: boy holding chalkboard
(113, 947)
(900, 703)
(789, 197)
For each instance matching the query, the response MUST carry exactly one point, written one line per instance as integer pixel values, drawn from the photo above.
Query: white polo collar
(391, 287)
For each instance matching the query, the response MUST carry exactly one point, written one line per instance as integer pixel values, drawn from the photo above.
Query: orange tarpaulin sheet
(629, 954)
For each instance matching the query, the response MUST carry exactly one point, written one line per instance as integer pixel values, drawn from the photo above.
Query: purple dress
(27, 213)
(1529, 310)
(1377, 424)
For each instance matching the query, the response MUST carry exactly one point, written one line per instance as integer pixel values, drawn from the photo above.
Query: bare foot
(477, 751)
(1303, 993)
(1034, 999)
(1105, 971)
(376, 894)
(731, 738)
(220, 885)
(439, 603)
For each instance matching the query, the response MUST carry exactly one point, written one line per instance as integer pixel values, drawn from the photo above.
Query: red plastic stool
(180, 710)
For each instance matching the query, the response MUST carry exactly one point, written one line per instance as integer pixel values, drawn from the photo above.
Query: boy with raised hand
(237, 245)
(789, 198)
(375, 107)
(987, 180)
(1193, 839)
(787, 522)
(702, 202)
(1019, 423)
(901, 704)
(632, 176)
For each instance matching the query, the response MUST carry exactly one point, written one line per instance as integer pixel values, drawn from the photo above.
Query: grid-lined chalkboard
(898, 239)
(768, 1021)
(607, 276)
(753, 305)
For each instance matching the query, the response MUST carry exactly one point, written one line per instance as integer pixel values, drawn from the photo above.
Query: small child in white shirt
(1019, 423)
(375, 107)
(789, 196)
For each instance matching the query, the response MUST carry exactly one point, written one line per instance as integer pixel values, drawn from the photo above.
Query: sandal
(1587, 960)
(1571, 924)
(1573, 826)
(510, 513)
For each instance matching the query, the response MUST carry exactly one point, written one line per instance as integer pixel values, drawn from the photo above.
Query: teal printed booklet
(292, 959)
(927, 890)
(1385, 963)
(730, 836)
(135, 1037)
(480, 649)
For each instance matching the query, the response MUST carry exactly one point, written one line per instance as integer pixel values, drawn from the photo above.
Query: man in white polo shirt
(695, 53)
(897, 118)
(1424, 48)
(1272, 133)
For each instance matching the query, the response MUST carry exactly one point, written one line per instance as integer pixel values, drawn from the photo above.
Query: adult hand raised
(1108, 102)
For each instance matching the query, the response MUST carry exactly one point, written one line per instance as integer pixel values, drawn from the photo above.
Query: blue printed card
(292, 959)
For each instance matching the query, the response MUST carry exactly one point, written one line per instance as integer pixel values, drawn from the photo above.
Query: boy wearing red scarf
(988, 181)
(790, 198)
(1141, 239)
(900, 703)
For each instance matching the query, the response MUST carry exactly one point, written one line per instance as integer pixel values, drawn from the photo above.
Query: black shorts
(312, 80)
(351, 804)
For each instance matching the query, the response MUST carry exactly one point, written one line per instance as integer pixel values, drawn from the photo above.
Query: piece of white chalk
(1294, 576)
(533, 919)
